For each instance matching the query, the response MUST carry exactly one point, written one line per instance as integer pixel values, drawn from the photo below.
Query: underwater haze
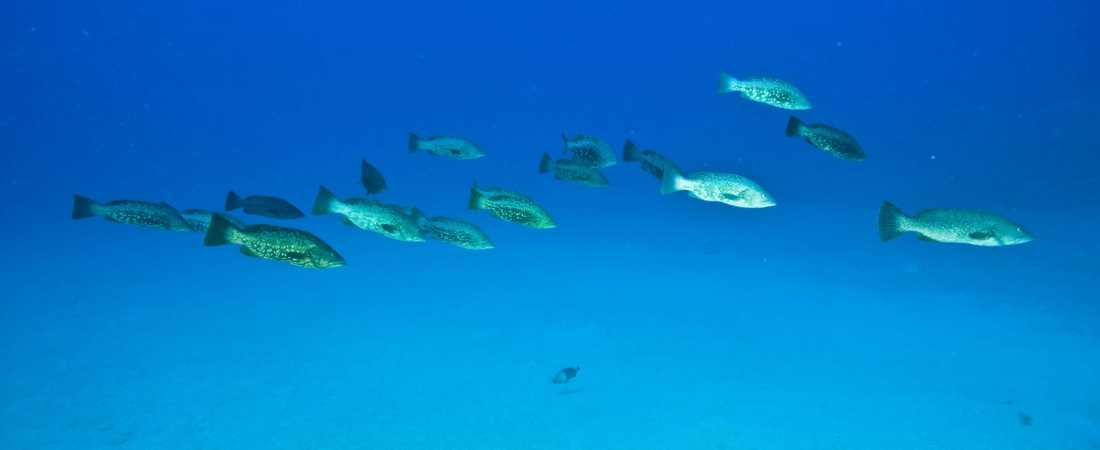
(692, 324)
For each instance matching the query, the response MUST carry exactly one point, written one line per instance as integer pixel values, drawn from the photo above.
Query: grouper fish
(954, 226)
(652, 162)
(390, 221)
(445, 146)
(455, 232)
(510, 206)
(769, 91)
(727, 188)
(833, 141)
(199, 219)
(161, 216)
(371, 177)
(569, 170)
(263, 205)
(296, 247)
(589, 151)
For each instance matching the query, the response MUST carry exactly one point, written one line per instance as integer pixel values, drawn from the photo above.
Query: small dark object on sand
(566, 375)
(1025, 420)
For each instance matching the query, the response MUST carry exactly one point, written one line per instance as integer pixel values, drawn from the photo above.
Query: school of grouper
(587, 155)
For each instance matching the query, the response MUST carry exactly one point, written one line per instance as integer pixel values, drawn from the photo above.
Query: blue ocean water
(696, 325)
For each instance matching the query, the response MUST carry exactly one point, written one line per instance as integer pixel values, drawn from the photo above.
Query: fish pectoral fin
(347, 221)
(982, 235)
(248, 252)
(925, 238)
(389, 228)
(730, 196)
(296, 255)
(455, 151)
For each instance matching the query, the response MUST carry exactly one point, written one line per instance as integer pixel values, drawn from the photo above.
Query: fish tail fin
(322, 204)
(726, 83)
(671, 181)
(83, 207)
(545, 163)
(220, 232)
(794, 126)
(414, 143)
(233, 201)
(475, 198)
(630, 152)
(890, 222)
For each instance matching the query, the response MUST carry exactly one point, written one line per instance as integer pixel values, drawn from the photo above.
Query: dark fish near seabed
(199, 219)
(651, 161)
(565, 375)
(728, 188)
(510, 206)
(589, 151)
(372, 178)
(456, 232)
(569, 170)
(446, 146)
(296, 247)
(954, 226)
(832, 140)
(390, 221)
(161, 216)
(769, 91)
(263, 205)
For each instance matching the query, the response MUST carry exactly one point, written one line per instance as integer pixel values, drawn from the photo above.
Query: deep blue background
(988, 105)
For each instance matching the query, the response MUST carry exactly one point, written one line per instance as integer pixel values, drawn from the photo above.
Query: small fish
(1024, 418)
(954, 226)
(589, 151)
(769, 91)
(728, 188)
(569, 170)
(161, 216)
(457, 232)
(262, 205)
(371, 215)
(297, 247)
(510, 206)
(565, 375)
(654, 163)
(372, 178)
(199, 219)
(451, 147)
(834, 141)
